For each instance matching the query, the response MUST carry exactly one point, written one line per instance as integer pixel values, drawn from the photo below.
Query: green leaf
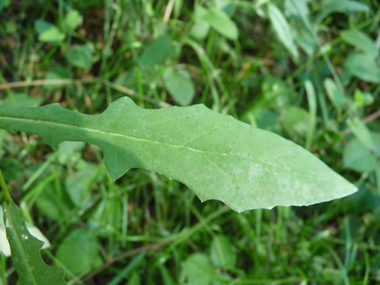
(296, 9)
(342, 6)
(305, 41)
(267, 120)
(57, 73)
(221, 252)
(361, 41)
(52, 205)
(158, 52)
(275, 92)
(363, 98)
(25, 250)
(4, 244)
(72, 20)
(337, 98)
(282, 30)
(295, 121)
(42, 26)
(81, 55)
(179, 85)
(363, 66)
(200, 30)
(51, 35)
(128, 79)
(215, 155)
(69, 152)
(196, 270)
(361, 132)
(345, 6)
(22, 100)
(79, 252)
(224, 278)
(78, 184)
(108, 215)
(219, 20)
(358, 157)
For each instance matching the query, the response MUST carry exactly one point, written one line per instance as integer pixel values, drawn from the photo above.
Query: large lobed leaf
(215, 155)
(25, 248)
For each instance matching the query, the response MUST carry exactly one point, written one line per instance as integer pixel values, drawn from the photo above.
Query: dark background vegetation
(254, 60)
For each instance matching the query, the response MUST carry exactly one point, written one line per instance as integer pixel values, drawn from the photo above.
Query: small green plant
(215, 155)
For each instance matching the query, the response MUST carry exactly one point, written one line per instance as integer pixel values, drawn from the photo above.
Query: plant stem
(4, 188)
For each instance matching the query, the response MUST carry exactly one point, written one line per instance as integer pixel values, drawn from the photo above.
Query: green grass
(147, 229)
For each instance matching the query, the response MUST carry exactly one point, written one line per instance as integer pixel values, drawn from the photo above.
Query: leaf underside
(215, 155)
(25, 250)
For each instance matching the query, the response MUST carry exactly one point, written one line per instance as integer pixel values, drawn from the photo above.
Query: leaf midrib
(156, 142)
(111, 133)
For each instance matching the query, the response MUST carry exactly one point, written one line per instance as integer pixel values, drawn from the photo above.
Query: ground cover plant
(306, 70)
